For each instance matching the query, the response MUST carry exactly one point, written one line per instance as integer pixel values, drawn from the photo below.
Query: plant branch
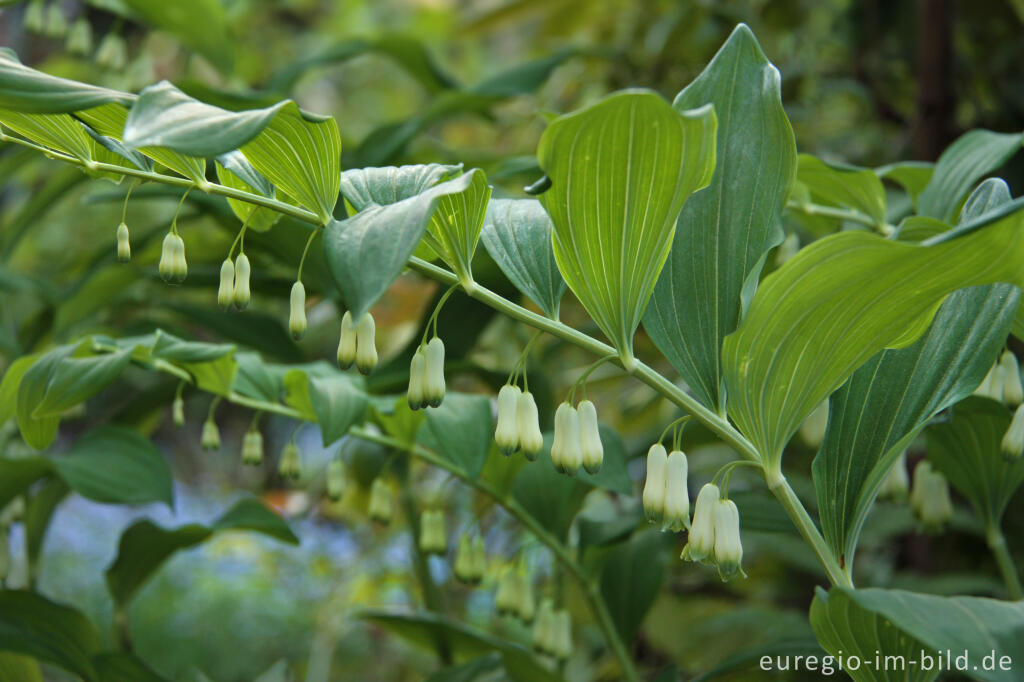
(1001, 553)
(848, 214)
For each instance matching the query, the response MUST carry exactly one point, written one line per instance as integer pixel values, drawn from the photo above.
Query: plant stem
(848, 214)
(997, 543)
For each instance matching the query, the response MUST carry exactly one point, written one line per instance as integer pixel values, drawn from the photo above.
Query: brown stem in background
(934, 127)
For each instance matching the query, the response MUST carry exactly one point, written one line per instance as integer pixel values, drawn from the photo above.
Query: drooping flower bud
(507, 599)
(525, 608)
(241, 295)
(80, 37)
(543, 627)
(562, 635)
(297, 311)
(112, 53)
(787, 249)
(290, 464)
(180, 264)
(728, 548)
(252, 448)
(415, 392)
(478, 560)
(531, 440)
(226, 290)
(897, 482)
(1013, 439)
(591, 449)
(433, 372)
(366, 344)
(210, 438)
(506, 432)
(124, 244)
(1013, 391)
(992, 385)
(464, 572)
(335, 479)
(677, 496)
(930, 498)
(167, 257)
(35, 17)
(813, 428)
(433, 537)
(566, 452)
(655, 484)
(56, 24)
(178, 411)
(700, 544)
(347, 342)
(380, 501)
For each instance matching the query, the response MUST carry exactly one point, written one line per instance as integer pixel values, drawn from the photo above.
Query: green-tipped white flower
(210, 438)
(380, 501)
(1013, 439)
(813, 428)
(992, 385)
(478, 560)
(112, 53)
(433, 537)
(335, 479)
(655, 483)
(80, 38)
(561, 646)
(241, 295)
(543, 627)
(1013, 392)
(366, 345)
(297, 311)
(465, 565)
(700, 544)
(677, 496)
(252, 448)
(526, 608)
(591, 449)
(290, 464)
(531, 440)
(347, 342)
(506, 432)
(226, 290)
(896, 484)
(787, 249)
(566, 452)
(124, 244)
(178, 411)
(35, 17)
(728, 548)
(173, 267)
(416, 367)
(929, 497)
(506, 600)
(433, 372)
(56, 24)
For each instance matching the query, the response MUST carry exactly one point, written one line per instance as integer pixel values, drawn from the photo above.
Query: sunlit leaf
(76, 379)
(339, 400)
(842, 185)
(455, 226)
(364, 187)
(24, 89)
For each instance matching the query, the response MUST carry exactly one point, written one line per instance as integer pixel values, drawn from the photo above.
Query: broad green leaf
(843, 299)
(296, 386)
(523, 78)
(257, 379)
(34, 626)
(251, 514)
(38, 512)
(620, 171)
(234, 171)
(201, 25)
(552, 498)
(477, 668)
(613, 474)
(365, 253)
(724, 231)
(339, 401)
(365, 187)
(275, 673)
(39, 432)
(842, 185)
(24, 89)
(912, 176)
(9, 386)
(212, 365)
(124, 667)
(631, 579)
(972, 624)
(517, 235)
(120, 152)
(460, 430)
(56, 131)
(75, 380)
(116, 464)
(971, 157)
(18, 668)
(16, 475)
(967, 450)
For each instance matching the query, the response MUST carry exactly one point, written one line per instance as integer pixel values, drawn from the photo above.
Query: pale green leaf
(233, 170)
(201, 25)
(25, 89)
(19, 668)
(455, 226)
(74, 380)
(60, 132)
(912, 176)
(842, 185)
(365, 187)
(339, 401)
(39, 432)
(460, 430)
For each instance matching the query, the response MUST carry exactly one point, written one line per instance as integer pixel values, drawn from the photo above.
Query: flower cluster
(515, 593)
(358, 343)
(715, 533)
(518, 426)
(433, 537)
(426, 375)
(929, 498)
(552, 631)
(577, 440)
(379, 509)
(666, 499)
(470, 560)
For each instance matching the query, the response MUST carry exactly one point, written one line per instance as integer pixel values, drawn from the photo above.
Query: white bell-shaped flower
(463, 568)
(655, 483)
(366, 344)
(531, 440)
(700, 544)
(591, 449)
(543, 627)
(728, 548)
(347, 342)
(335, 479)
(433, 372)
(226, 289)
(210, 438)
(290, 464)
(992, 385)
(562, 640)
(896, 483)
(124, 244)
(415, 392)
(506, 431)
(167, 257)
(379, 509)
(1013, 440)
(677, 496)
(929, 498)
(297, 311)
(507, 598)
(242, 294)
(1013, 392)
(252, 448)
(566, 452)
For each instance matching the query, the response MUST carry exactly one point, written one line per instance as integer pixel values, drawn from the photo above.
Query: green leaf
(39, 432)
(455, 226)
(124, 667)
(233, 170)
(118, 465)
(201, 25)
(56, 131)
(912, 176)
(517, 235)
(9, 386)
(967, 450)
(365, 187)
(956, 624)
(725, 231)
(75, 380)
(467, 672)
(24, 89)
(38, 513)
(971, 157)
(842, 185)
(212, 365)
(251, 514)
(843, 299)
(16, 475)
(620, 171)
(18, 668)
(257, 379)
(365, 253)
(460, 430)
(631, 579)
(296, 386)
(34, 626)
(339, 400)
(523, 78)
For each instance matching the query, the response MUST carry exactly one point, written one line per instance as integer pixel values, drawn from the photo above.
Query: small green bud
(700, 545)
(380, 501)
(433, 372)
(173, 267)
(506, 601)
(930, 498)
(561, 647)
(226, 290)
(366, 344)
(478, 560)
(566, 452)
(543, 627)
(240, 293)
(728, 548)
(290, 465)
(347, 343)
(124, 245)
(335, 479)
(433, 537)
(525, 608)
(252, 448)
(506, 432)
(297, 313)
(531, 440)
(1013, 392)
(210, 439)
(1013, 440)
(56, 24)
(178, 411)
(80, 37)
(655, 483)
(590, 437)
(112, 53)
(897, 482)
(813, 428)
(464, 561)
(35, 17)
(415, 392)
(677, 496)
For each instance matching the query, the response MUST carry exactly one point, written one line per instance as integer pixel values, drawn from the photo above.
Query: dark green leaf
(199, 24)
(16, 475)
(123, 667)
(460, 430)
(841, 185)
(34, 626)
(74, 380)
(39, 432)
(25, 89)
(524, 78)
(339, 401)
(364, 187)
(251, 514)
(38, 513)
(631, 579)
(469, 671)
